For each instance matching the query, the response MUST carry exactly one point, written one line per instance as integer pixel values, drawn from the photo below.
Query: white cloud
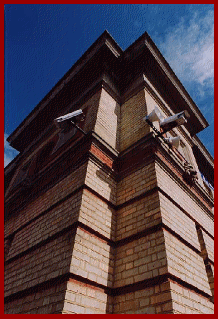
(189, 49)
(9, 152)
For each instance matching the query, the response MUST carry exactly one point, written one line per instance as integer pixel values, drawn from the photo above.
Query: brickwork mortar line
(140, 285)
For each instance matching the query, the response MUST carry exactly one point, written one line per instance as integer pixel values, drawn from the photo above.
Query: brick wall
(178, 221)
(152, 300)
(207, 246)
(100, 181)
(98, 215)
(92, 258)
(55, 194)
(183, 199)
(92, 262)
(46, 226)
(108, 240)
(140, 259)
(48, 300)
(42, 264)
(85, 299)
(186, 301)
(207, 253)
(185, 263)
(91, 105)
(43, 238)
(131, 125)
(136, 183)
(138, 216)
(108, 119)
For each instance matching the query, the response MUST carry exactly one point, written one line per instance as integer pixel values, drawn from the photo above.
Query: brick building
(111, 221)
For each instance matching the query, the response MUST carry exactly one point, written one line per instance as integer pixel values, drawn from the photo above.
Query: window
(209, 188)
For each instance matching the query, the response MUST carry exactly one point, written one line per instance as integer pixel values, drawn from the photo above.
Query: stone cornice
(111, 48)
(104, 40)
(203, 151)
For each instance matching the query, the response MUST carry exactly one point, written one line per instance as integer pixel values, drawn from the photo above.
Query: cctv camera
(64, 120)
(173, 141)
(154, 116)
(173, 121)
(76, 114)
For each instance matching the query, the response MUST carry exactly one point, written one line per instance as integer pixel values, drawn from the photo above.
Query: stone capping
(104, 146)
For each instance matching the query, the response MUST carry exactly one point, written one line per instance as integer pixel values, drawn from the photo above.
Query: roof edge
(104, 39)
(203, 150)
(151, 46)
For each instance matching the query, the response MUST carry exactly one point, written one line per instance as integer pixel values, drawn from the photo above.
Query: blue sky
(42, 42)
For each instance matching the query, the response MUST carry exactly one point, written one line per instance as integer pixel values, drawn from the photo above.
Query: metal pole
(78, 128)
(159, 134)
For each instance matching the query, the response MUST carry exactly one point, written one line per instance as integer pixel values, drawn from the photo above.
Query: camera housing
(154, 116)
(174, 121)
(64, 121)
(173, 141)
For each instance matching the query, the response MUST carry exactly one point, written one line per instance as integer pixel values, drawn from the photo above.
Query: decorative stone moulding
(190, 175)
